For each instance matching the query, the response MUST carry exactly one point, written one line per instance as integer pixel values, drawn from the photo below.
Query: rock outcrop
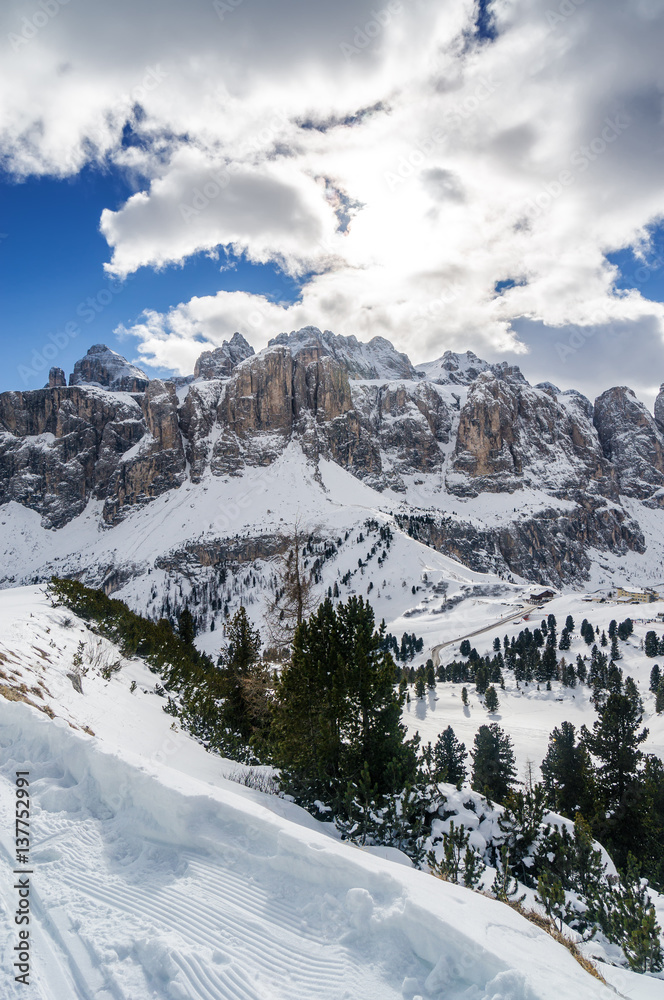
(512, 435)
(631, 441)
(103, 367)
(56, 377)
(221, 362)
(375, 360)
(659, 409)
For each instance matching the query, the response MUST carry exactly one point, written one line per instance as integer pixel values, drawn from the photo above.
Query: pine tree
(449, 756)
(459, 863)
(569, 623)
(659, 698)
(655, 678)
(615, 649)
(493, 758)
(651, 644)
(464, 696)
(186, 627)
(520, 823)
(491, 699)
(567, 773)
(336, 708)
(551, 895)
(504, 887)
(245, 681)
(615, 742)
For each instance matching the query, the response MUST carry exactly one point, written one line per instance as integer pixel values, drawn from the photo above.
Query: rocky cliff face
(631, 441)
(105, 368)
(460, 426)
(221, 362)
(659, 409)
(512, 435)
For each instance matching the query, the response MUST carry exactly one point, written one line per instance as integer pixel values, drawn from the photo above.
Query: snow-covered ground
(528, 714)
(154, 876)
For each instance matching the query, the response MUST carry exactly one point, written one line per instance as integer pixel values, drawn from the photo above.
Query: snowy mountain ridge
(514, 481)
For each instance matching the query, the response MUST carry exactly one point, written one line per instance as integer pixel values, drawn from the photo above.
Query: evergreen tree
(465, 648)
(493, 758)
(655, 678)
(336, 708)
(651, 644)
(520, 824)
(567, 773)
(491, 699)
(551, 895)
(564, 640)
(615, 742)
(459, 863)
(449, 757)
(569, 623)
(464, 696)
(504, 887)
(186, 627)
(245, 681)
(615, 649)
(659, 698)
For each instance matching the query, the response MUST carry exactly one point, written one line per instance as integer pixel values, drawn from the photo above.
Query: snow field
(158, 885)
(155, 877)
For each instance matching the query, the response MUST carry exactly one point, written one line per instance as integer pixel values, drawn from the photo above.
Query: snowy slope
(154, 877)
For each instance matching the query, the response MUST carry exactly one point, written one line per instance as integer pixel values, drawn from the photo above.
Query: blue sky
(450, 176)
(51, 261)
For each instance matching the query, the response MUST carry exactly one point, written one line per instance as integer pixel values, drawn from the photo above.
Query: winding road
(435, 650)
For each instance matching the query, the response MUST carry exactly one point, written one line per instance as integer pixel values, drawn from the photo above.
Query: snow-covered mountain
(141, 484)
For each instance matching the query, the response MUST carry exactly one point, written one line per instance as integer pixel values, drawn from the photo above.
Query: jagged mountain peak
(106, 368)
(453, 368)
(220, 362)
(375, 359)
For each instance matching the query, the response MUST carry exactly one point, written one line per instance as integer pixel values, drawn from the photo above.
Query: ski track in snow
(166, 888)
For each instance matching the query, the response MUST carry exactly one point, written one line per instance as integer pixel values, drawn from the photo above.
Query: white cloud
(528, 159)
